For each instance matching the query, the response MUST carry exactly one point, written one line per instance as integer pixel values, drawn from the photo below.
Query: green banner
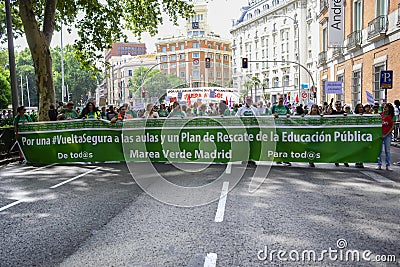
(205, 139)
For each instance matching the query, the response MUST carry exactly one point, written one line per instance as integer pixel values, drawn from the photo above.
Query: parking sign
(386, 79)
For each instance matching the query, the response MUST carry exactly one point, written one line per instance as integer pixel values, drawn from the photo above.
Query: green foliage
(79, 81)
(155, 82)
(5, 87)
(26, 71)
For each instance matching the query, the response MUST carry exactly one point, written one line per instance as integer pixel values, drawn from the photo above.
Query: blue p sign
(386, 80)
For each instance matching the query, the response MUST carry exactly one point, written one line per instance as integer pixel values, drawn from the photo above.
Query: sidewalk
(395, 143)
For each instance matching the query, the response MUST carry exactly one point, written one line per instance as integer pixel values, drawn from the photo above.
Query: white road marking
(211, 260)
(76, 177)
(34, 170)
(219, 216)
(229, 168)
(377, 177)
(10, 205)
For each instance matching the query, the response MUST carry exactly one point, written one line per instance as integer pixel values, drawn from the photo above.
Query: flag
(370, 98)
(188, 100)
(226, 100)
(297, 98)
(230, 102)
(285, 102)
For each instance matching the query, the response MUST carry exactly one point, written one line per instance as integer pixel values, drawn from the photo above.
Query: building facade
(281, 41)
(117, 88)
(120, 49)
(371, 43)
(185, 56)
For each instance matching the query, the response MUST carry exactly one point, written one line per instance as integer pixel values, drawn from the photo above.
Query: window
(276, 82)
(182, 46)
(381, 8)
(211, 74)
(173, 58)
(356, 88)
(182, 56)
(164, 49)
(225, 48)
(225, 57)
(218, 74)
(173, 66)
(210, 55)
(226, 74)
(196, 55)
(164, 66)
(357, 15)
(286, 80)
(196, 73)
(196, 44)
(181, 65)
(182, 74)
(218, 56)
(376, 90)
(209, 46)
(172, 48)
(218, 47)
(164, 58)
(130, 73)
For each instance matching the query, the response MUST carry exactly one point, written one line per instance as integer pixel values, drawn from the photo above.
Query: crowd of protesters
(388, 112)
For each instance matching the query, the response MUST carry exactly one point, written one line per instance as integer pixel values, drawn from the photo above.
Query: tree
(256, 81)
(155, 82)
(26, 71)
(79, 81)
(5, 87)
(99, 24)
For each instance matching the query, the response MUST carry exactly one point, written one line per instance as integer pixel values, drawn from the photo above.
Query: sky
(220, 16)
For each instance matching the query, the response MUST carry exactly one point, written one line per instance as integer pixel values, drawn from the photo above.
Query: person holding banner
(388, 122)
(68, 113)
(248, 109)
(151, 112)
(359, 110)
(162, 112)
(176, 111)
(20, 118)
(90, 112)
(122, 115)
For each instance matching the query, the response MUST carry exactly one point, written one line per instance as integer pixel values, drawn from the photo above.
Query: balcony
(377, 28)
(337, 52)
(322, 58)
(353, 41)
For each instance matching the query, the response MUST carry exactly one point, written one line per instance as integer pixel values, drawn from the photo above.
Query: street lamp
(298, 47)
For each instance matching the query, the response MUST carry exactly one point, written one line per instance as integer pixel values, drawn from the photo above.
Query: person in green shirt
(20, 118)
(162, 112)
(131, 114)
(176, 111)
(68, 113)
(280, 109)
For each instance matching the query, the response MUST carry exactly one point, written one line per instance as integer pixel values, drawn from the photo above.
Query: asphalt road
(97, 215)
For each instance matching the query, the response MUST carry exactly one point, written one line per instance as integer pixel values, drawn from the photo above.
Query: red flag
(226, 100)
(188, 99)
(297, 98)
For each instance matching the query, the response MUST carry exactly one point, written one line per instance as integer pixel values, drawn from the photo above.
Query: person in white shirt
(247, 109)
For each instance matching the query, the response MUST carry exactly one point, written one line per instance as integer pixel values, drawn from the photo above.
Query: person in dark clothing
(53, 113)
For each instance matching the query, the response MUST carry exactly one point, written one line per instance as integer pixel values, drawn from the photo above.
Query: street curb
(8, 161)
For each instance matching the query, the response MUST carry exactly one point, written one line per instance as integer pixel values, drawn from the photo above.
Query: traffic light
(208, 62)
(143, 93)
(314, 89)
(70, 97)
(288, 95)
(245, 63)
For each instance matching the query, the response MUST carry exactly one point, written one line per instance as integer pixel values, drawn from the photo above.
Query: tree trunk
(44, 79)
(39, 45)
